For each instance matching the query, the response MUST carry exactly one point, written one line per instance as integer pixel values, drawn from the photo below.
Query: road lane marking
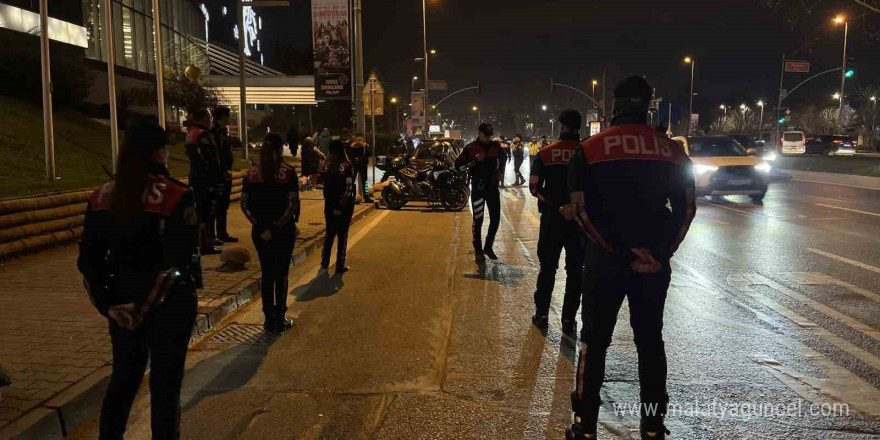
(819, 278)
(849, 209)
(845, 260)
(866, 330)
(712, 220)
(836, 184)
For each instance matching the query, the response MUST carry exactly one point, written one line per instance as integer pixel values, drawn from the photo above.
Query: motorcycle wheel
(453, 199)
(392, 199)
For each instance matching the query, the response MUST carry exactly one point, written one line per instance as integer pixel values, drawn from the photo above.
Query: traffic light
(782, 120)
(849, 70)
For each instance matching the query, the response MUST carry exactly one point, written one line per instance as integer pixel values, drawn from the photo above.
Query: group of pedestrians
(145, 233)
(620, 203)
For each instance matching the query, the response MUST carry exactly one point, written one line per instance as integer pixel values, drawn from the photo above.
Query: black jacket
(628, 173)
(120, 263)
(270, 205)
(338, 185)
(549, 172)
(204, 158)
(483, 162)
(224, 147)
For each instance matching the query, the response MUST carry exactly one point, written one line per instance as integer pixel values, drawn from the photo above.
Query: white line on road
(821, 278)
(849, 209)
(836, 184)
(845, 260)
(817, 306)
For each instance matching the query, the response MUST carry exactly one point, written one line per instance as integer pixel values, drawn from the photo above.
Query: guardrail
(35, 223)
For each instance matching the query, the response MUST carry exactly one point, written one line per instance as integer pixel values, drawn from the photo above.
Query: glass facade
(183, 30)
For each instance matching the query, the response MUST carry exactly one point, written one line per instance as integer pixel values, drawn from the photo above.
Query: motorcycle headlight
(700, 169)
(763, 167)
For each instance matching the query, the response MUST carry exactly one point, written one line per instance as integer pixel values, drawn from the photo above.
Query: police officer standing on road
(359, 153)
(549, 183)
(270, 201)
(621, 181)
(205, 175)
(138, 257)
(484, 162)
(227, 161)
(339, 194)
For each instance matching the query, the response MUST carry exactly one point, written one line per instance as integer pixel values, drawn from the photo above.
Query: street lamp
(873, 114)
(842, 19)
(693, 63)
(761, 121)
(477, 109)
(396, 114)
(425, 47)
(744, 109)
(724, 108)
(433, 52)
(836, 96)
(595, 83)
(414, 79)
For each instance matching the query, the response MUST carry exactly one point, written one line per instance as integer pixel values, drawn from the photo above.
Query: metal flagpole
(242, 100)
(160, 63)
(48, 123)
(110, 47)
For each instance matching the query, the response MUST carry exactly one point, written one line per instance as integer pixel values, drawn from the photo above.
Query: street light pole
(761, 121)
(873, 115)
(160, 62)
(693, 63)
(109, 46)
(242, 88)
(744, 109)
(48, 122)
(843, 68)
(425, 47)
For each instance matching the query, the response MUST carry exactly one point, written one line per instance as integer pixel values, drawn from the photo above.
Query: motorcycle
(438, 184)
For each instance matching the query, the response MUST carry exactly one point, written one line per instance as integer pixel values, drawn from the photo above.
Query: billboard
(332, 49)
(418, 110)
(797, 66)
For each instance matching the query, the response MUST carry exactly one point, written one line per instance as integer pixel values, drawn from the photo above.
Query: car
(755, 147)
(723, 167)
(831, 145)
(793, 142)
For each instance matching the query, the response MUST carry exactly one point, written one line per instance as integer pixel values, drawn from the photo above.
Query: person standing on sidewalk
(323, 141)
(339, 194)
(205, 175)
(549, 184)
(227, 161)
(311, 163)
(633, 190)
(519, 152)
(483, 161)
(270, 201)
(139, 260)
(360, 153)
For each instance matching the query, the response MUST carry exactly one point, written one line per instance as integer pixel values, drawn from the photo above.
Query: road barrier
(31, 224)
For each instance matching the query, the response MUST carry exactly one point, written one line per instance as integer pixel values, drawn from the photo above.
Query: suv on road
(723, 167)
(828, 145)
(793, 142)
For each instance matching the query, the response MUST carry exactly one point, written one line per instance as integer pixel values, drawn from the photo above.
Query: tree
(723, 124)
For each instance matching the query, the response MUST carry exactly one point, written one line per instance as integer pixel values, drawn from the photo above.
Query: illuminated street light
(693, 63)
(544, 107)
(433, 52)
(841, 19)
(836, 96)
(761, 120)
(724, 107)
(595, 83)
(394, 100)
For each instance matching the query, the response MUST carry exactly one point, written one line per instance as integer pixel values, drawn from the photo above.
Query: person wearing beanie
(483, 160)
(632, 190)
(549, 184)
(339, 195)
(140, 265)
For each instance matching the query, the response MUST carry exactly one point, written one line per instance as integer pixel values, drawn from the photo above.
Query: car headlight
(700, 169)
(763, 167)
(771, 156)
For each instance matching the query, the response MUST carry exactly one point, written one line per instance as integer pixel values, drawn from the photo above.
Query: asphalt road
(771, 324)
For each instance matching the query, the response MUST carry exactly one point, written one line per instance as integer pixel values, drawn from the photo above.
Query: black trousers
(517, 164)
(206, 205)
(224, 192)
(483, 198)
(337, 229)
(163, 340)
(557, 233)
(275, 257)
(607, 283)
(361, 179)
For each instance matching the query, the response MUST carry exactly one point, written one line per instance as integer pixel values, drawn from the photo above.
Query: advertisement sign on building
(695, 122)
(332, 49)
(595, 128)
(418, 110)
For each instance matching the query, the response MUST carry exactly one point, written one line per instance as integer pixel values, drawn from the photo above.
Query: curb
(864, 182)
(67, 410)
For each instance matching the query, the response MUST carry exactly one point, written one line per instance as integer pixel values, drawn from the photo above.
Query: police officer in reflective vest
(549, 183)
(138, 257)
(633, 190)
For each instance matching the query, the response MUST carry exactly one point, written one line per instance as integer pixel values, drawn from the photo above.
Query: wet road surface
(772, 331)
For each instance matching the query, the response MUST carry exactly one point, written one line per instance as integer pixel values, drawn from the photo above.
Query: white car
(793, 142)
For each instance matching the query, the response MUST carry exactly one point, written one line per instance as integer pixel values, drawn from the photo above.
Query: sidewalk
(57, 346)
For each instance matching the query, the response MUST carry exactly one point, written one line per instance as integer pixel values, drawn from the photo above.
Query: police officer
(205, 175)
(505, 158)
(224, 191)
(549, 183)
(621, 181)
(484, 162)
(270, 201)
(359, 153)
(339, 194)
(517, 149)
(138, 258)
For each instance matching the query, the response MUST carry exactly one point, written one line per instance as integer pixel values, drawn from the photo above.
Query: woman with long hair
(139, 259)
(270, 201)
(338, 204)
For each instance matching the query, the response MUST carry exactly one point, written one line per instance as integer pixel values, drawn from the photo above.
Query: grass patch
(856, 165)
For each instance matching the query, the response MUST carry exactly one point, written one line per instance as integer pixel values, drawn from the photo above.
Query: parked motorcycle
(438, 184)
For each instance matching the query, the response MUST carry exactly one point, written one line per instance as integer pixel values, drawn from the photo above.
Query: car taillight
(838, 142)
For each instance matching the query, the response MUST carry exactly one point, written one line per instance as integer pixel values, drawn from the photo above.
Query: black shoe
(479, 257)
(569, 328)
(542, 322)
(217, 242)
(282, 325)
(211, 250)
(325, 265)
(578, 432)
(269, 326)
(228, 239)
(490, 253)
(342, 269)
(660, 433)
